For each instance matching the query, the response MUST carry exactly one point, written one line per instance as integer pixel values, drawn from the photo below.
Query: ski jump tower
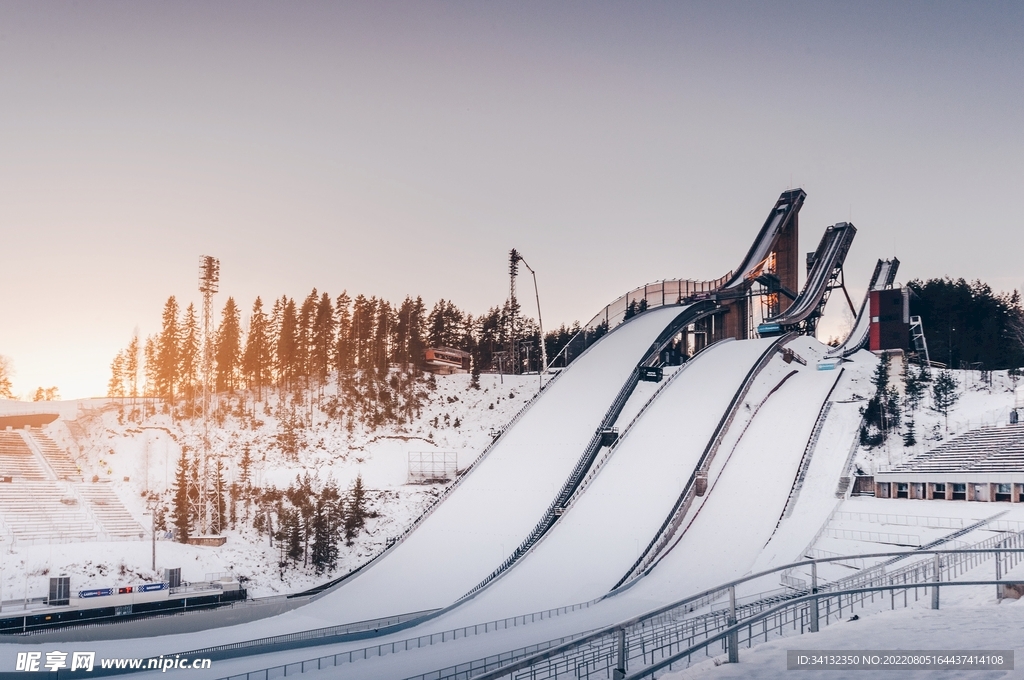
(773, 261)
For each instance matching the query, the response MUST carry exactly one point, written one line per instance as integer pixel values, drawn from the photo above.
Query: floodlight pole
(540, 321)
(513, 270)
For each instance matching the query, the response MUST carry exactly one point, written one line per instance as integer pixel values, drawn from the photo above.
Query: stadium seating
(114, 518)
(988, 450)
(44, 512)
(17, 459)
(56, 457)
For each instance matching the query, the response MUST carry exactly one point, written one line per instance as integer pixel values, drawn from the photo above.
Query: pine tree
(304, 346)
(181, 512)
(910, 436)
(115, 387)
(322, 342)
(362, 330)
(229, 347)
(343, 351)
(167, 354)
(131, 368)
(219, 510)
(195, 509)
(914, 380)
(287, 345)
(245, 478)
(882, 412)
(6, 391)
(944, 394)
(326, 528)
(355, 515)
(151, 365)
(292, 534)
(258, 358)
(384, 326)
(474, 381)
(190, 358)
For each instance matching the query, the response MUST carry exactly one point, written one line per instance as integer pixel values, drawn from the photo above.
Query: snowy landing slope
(817, 497)
(600, 536)
(749, 481)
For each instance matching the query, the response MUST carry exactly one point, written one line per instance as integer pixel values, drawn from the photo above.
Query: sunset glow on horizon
(403, 149)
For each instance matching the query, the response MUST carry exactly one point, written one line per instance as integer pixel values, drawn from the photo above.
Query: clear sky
(404, 148)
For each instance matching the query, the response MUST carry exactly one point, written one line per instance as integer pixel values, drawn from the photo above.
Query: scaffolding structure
(432, 467)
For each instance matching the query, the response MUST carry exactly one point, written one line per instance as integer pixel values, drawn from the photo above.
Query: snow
(817, 496)
(732, 531)
(749, 481)
(598, 539)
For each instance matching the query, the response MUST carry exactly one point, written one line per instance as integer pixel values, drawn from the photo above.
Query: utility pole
(209, 280)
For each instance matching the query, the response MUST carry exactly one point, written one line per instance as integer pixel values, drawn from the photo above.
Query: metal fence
(680, 633)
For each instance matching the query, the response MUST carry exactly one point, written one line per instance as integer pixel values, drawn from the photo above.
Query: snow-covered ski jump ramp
(601, 533)
(495, 508)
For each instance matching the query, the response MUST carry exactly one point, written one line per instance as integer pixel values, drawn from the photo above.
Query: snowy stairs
(805, 461)
(55, 457)
(113, 517)
(844, 486)
(44, 512)
(992, 449)
(17, 459)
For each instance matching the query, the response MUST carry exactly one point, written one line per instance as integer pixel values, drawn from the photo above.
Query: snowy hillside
(983, 400)
(139, 459)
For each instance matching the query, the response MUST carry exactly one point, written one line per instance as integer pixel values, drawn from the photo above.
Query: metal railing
(655, 294)
(691, 625)
(384, 649)
(671, 636)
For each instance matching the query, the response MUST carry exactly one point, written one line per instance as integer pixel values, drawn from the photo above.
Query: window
(940, 488)
(1003, 488)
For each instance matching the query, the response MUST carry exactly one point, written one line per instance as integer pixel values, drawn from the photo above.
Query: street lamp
(518, 257)
(151, 505)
